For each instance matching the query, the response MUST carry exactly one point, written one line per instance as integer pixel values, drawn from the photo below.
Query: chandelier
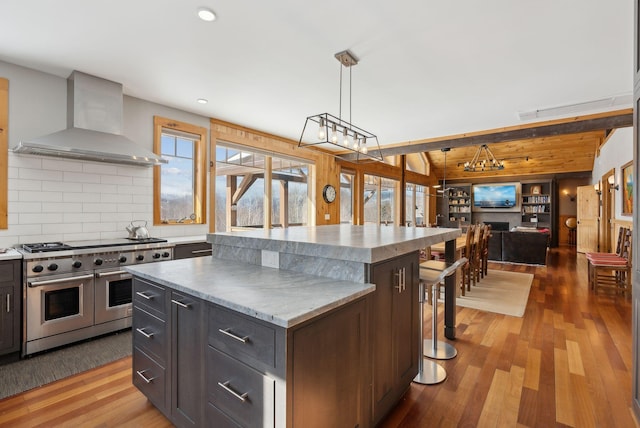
(336, 131)
(483, 160)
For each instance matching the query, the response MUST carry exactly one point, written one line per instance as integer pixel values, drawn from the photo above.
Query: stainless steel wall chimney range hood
(94, 127)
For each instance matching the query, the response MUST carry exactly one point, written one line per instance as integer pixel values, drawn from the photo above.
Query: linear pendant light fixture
(334, 130)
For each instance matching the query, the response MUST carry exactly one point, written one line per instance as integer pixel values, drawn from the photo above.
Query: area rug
(500, 292)
(50, 366)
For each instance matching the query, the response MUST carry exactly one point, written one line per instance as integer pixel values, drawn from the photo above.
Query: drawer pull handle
(182, 305)
(143, 295)
(226, 387)
(146, 379)
(228, 332)
(144, 333)
(201, 251)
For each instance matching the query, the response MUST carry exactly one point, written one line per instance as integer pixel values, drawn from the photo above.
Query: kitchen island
(268, 332)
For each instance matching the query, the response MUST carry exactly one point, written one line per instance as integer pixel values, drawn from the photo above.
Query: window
(179, 189)
(379, 200)
(346, 197)
(240, 189)
(416, 206)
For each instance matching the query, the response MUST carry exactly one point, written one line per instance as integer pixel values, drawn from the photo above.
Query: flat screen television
(496, 197)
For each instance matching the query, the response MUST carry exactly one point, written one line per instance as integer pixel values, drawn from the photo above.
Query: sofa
(518, 247)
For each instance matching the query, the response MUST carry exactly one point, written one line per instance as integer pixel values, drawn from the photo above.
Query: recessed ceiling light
(202, 100)
(206, 14)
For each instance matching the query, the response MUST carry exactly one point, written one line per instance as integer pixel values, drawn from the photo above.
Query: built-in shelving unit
(536, 204)
(458, 203)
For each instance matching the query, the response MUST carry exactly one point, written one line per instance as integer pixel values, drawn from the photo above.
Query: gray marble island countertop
(365, 244)
(281, 297)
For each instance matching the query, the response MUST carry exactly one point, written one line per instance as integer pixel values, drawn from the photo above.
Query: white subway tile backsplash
(65, 200)
(82, 197)
(39, 174)
(99, 168)
(99, 188)
(116, 179)
(23, 161)
(25, 184)
(61, 165)
(115, 198)
(59, 228)
(60, 207)
(25, 207)
(98, 208)
(81, 177)
(40, 218)
(30, 196)
(55, 186)
(98, 227)
(83, 217)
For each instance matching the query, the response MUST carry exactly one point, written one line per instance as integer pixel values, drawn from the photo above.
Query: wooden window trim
(200, 203)
(4, 153)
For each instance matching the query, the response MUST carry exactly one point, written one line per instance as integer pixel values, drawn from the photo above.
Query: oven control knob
(98, 262)
(37, 268)
(139, 257)
(166, 254)
(156, 255)
(77, 264)
(52, 266)
(122, 259)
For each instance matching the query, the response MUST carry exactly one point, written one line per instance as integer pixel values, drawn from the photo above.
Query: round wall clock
(329, 193)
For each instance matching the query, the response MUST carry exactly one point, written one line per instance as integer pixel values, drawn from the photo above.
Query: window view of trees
(415, 205)
(240, 189)
(179, 191)
(379, 200)
(346, 198)
(177, 179)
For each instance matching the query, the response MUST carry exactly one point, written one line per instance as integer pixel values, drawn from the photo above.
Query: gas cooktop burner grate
(41, 247)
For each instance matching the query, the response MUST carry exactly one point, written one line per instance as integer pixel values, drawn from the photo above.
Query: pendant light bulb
(334, 134)
(345, 138)
(363, 146)
(322, 134)
(356, 144)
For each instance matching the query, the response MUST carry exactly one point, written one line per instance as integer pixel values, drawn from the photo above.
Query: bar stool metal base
(442, 351)
(430, 373)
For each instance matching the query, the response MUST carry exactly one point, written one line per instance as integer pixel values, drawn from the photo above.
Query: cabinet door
(186, 360)
(10, 311)
(7, 319)
(395, 332)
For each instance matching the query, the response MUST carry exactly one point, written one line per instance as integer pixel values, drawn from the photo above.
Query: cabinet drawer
(218, 419)
(149, 333)
(240, 337)
(242, 393)
(150, 295)
(198, 249)
(149, 378)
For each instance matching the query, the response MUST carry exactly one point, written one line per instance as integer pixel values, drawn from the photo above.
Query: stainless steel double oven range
(77, 290)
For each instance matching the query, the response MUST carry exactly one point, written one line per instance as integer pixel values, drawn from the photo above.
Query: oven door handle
(117, 272)
(58, 281)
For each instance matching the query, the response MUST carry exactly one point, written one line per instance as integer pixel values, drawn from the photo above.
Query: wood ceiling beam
(575, 125)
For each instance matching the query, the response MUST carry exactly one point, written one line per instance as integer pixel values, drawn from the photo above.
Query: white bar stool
(430, 372)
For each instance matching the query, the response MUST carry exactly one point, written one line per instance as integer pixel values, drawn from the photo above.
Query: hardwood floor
(567, 362)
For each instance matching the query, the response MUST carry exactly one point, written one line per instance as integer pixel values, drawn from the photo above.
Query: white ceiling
(427, 68)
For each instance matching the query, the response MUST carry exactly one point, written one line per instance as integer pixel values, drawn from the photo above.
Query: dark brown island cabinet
(204, 365)
(10, 307)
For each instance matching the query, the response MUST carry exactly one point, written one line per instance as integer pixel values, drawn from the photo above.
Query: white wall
(53, 199)
(617, 151)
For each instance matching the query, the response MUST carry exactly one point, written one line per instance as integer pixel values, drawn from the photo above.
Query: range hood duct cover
(94, 127)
